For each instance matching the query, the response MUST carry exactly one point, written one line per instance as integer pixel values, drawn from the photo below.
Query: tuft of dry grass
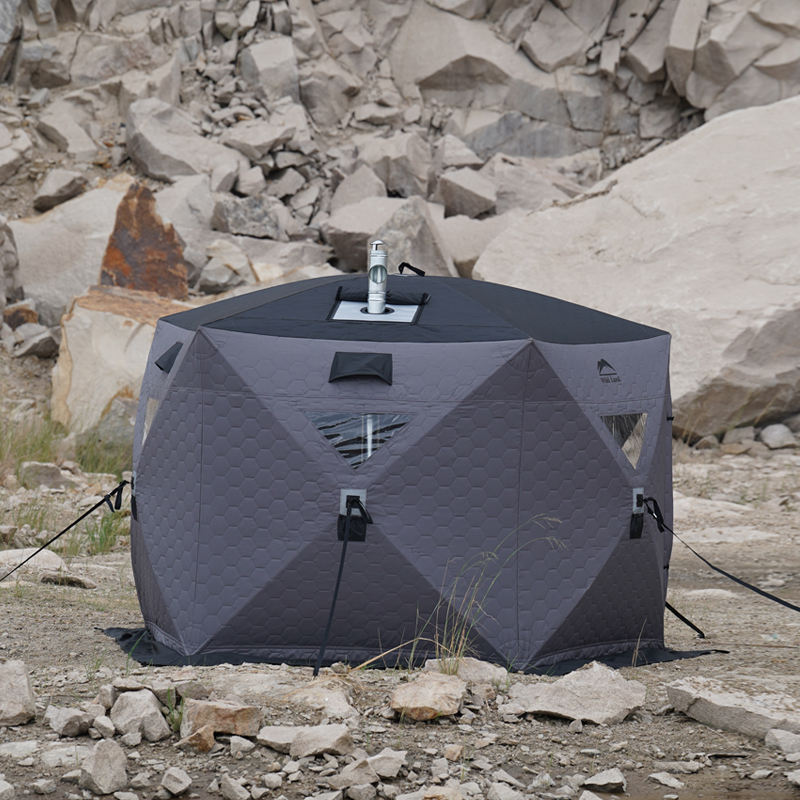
(32, 440)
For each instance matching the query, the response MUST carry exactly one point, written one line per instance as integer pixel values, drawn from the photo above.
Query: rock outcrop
(681, 241)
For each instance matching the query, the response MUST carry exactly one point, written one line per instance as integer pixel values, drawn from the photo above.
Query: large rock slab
(106, 337)
(17, 701)
(594, 693)
(163, 143)
(429, 696)
(143, 253)
(270, 67)
(731, 358)
(718, 705)
(61, 251)
(221, 717)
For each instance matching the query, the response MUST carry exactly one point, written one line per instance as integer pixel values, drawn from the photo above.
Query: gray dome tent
(477, 423)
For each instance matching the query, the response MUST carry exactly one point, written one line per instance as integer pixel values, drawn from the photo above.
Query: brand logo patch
(607, 372)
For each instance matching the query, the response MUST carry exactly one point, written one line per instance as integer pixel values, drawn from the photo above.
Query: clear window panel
(356, 437)
(149, 415)
(628, 432)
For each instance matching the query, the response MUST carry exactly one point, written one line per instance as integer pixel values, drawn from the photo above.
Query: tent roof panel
(457, 310)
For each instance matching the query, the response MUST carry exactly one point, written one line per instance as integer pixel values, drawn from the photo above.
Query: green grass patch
(96, 456)
(31, 440)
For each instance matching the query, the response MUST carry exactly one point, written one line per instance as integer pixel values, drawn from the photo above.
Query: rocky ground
(741, 511)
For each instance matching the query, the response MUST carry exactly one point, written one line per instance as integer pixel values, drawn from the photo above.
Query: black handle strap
(116, 493)
(653, 509)
(405, 265)
(353, 501)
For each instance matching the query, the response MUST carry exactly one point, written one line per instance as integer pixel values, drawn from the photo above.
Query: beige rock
(388, 763)
(467, 238)
(465, 191)
(33, 474)
(731, 353)
(471, 670)
(67, 721)
(777, 436)
(594, 693)
(554, 40)
(163, 143)
(646, 55)
(412, 235)
(270, 67)
(59, 185)
(103, 770)
(256, 138)
(357, 773)
(62, 123)
(717, 705)
(105, 342)
(176, 781)
(785, 741)
(452, 153)
(469, 9)
(139, 712)
(44, 560)
(609, 780)
(74, 236)
(329, 698)
(223, 717)
(682, 39)
(17, 701)
(461, 62)
(402, 161)
(326, 88)
(429, 696)
(318, 739)
(360, 184)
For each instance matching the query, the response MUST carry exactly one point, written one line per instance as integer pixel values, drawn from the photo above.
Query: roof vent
(377, 275)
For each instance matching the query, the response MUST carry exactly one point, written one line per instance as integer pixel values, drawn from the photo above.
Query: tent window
(628, 432)
(149, 415)
(356, 437)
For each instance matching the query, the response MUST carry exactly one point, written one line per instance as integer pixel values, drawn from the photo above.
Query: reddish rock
(144, 253)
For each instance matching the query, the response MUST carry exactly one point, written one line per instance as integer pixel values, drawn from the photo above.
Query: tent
(500, 441)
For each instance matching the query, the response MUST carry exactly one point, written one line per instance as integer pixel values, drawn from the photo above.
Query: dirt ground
(741, 512)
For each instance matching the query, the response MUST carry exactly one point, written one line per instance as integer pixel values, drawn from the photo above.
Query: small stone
(709, 442)
(355, 774)
(67, 721)
(388, 763)
(758, 775)
(739, 435)
(364, 791)
(241, 746)
(140, 712)
(777, 436)
(272, 780)
(44, 786)
(176, 781)
(502, 791)
(104, 726)
(7, 791)
(59, 185)
(453, 752)
(576, 726)
(610, 780)
(17, 701)
(133, 739)
(232, 790)
(429, 696)
(786, 741)
(665, 779)
(794, 777)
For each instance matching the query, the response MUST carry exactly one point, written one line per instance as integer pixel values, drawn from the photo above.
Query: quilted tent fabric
(501, 480)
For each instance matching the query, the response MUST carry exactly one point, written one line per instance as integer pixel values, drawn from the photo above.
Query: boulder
(221, 717)
(163, 143)
(361, 183)
(467, 238)
(256, 138)
(261, 216)
(429, 696)
(105, 341)
(228, 266)
(465, 191)
(10, 288)
(646, 55)
(785, 741)
(718, 705)
(59, 185)
(731, 358)
(682, 39)
(554, 40)
(72, 237)
(349, 229)
(270, 68)
(594, 693)
(163, 83)
(357, 773)
(139, 712)
(100, 56)
(103, 770)
(326, 88)
(14, 154)
(402, 161)
(63, 124)
(144, 253)
(250, 182)
(67, 721)
(452, 153)
(777, 436)
(45, 63)
(306, 740)
(461, 62)
(43, 560)
(17, 701)
(33, 474)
